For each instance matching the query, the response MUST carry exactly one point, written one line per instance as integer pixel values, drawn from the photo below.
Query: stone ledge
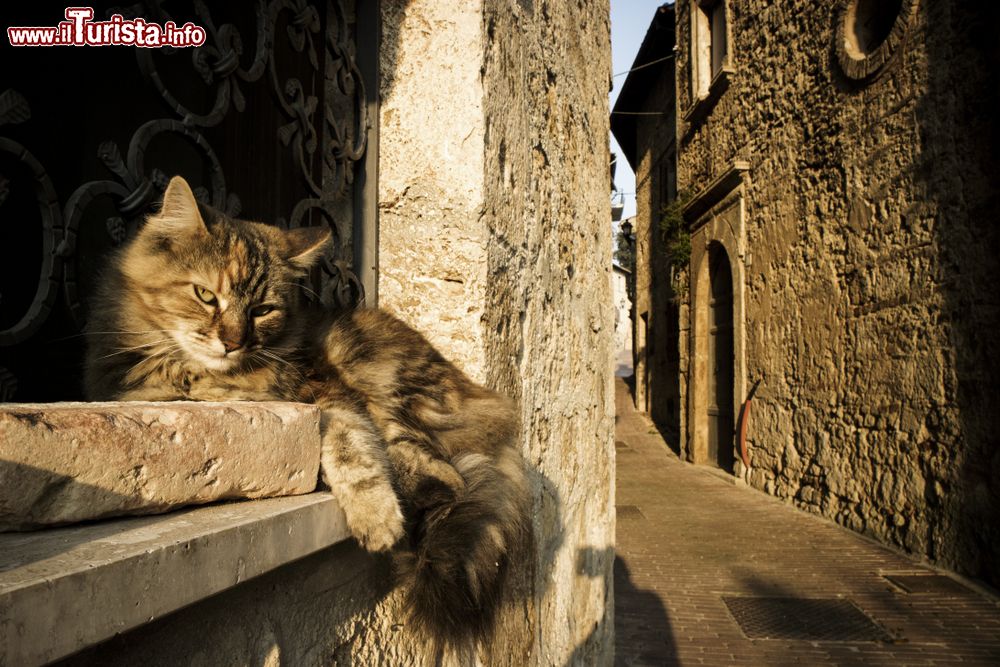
(62, 590)
(703, 104)
(714, 192)
(62, 463)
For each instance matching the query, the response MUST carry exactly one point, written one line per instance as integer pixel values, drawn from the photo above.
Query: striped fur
(424, 461)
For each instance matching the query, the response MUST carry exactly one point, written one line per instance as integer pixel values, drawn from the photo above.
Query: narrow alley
(695, 551)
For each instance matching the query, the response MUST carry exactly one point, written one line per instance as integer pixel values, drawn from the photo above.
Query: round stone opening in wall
(868, 33)
(869, 24)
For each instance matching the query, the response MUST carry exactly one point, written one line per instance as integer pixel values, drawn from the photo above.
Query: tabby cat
(200, 306)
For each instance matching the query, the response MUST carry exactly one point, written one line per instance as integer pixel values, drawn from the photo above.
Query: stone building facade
(643, 122)
(842, 163)
(623, 315)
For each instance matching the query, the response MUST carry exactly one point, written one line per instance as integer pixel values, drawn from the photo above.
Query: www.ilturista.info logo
(79, 30)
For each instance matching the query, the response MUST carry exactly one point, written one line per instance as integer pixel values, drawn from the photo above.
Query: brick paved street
(687, 537)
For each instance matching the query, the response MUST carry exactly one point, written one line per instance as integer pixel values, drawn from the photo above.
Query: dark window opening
(720, 43)
(869, 23)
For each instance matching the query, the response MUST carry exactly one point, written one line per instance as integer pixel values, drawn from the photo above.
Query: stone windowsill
(61, 463)
(64, 589)
(704, 104)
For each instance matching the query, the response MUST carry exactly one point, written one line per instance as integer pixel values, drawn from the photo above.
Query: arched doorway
(719, 406)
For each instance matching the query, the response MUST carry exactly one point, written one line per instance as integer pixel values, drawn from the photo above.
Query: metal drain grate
(928, 584)
(629, 512)
(831, 620)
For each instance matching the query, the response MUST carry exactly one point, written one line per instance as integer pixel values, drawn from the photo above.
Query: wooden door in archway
(720, 361)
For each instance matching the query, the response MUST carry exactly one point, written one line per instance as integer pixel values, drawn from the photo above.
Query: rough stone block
(67, 462)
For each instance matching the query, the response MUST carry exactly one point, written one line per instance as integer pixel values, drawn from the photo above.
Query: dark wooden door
(720, 361)
(269, 120)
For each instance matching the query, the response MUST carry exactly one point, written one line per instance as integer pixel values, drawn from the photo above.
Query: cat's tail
(462, 545)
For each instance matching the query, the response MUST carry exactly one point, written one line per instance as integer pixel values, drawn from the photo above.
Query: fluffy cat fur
(199, 306)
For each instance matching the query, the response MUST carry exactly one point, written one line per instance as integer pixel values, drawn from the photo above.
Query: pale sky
(629, 21)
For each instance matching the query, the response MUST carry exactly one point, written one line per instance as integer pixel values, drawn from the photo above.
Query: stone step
(64, 589)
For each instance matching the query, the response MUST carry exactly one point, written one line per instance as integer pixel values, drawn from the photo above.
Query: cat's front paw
(375, 519)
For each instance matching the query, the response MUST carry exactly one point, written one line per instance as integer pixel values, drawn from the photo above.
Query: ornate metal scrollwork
(345, 138)
(343, 289)
(342, 141)
(14, 109)
(299, 107)
(338, 286)
(348, 139)
(8, 385)
(302, 56)
(217, 63)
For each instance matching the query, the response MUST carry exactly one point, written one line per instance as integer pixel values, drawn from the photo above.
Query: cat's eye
(261, 310)
(205, 295)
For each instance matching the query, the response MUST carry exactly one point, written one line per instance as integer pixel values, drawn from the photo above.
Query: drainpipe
(744, 418)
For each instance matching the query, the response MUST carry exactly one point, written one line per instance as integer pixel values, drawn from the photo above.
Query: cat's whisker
(267, 354)
(301, 286)
(125, 331)
(162, 351)
(272, 365)
(135, 348)
(271, 355)
(157, 357)
(113, 333)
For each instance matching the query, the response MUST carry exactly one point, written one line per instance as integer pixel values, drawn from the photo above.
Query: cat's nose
(232, 336)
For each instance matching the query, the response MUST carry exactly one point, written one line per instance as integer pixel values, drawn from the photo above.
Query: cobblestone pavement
(688, 537)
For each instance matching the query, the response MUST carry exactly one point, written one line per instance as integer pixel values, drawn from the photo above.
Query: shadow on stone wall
(957, 169)
(389, 37)
(591, 563)
(663, 362)
(514, 642)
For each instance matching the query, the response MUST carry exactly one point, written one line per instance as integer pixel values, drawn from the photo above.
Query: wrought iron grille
(271, 120)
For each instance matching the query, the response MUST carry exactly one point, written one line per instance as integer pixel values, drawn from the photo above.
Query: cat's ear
(179, 213)
(307, 244)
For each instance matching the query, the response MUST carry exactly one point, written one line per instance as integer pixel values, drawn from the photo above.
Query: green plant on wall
(676, 238)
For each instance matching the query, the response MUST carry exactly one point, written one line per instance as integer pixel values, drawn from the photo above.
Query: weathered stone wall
(432, 241)
(549, 315)
(870, 306)
(494, 240)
